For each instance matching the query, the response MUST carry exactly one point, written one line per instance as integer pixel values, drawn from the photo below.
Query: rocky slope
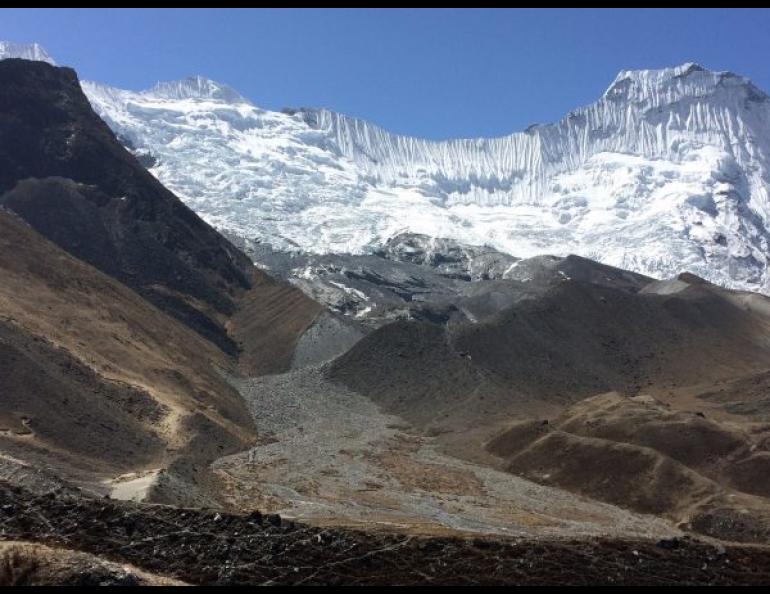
(200, 547)
(416, 277)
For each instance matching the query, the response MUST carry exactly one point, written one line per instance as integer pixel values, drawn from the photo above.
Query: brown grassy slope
(648, 456)
(633, 452)
(270, 319)
(32, 564)
(56, 408)
(105, 349)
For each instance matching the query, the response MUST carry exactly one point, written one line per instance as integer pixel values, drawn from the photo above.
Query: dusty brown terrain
(641, 454)
(328, 456)
(47, 393)
(101, 384)
(575, 341)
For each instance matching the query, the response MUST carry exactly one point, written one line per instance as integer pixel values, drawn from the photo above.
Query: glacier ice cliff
(24, 51)
(667, 171)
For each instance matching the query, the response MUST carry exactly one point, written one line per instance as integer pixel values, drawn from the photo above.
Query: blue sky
(431, 73)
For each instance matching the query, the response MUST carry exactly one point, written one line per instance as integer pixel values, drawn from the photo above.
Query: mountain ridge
(666, 171)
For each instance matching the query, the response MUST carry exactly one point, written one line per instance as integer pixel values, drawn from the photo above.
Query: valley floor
(329, 456)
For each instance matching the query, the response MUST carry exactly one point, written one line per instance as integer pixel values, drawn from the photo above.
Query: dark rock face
(448, 257)
(65, 173)
(431, 279)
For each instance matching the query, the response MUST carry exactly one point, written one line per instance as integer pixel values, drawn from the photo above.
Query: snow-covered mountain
(25, 51)
(668, 171)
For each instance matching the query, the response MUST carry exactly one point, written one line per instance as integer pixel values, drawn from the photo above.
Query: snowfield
(668, 171)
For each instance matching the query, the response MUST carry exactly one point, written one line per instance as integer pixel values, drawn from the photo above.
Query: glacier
(24, 51)
(666, 172)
